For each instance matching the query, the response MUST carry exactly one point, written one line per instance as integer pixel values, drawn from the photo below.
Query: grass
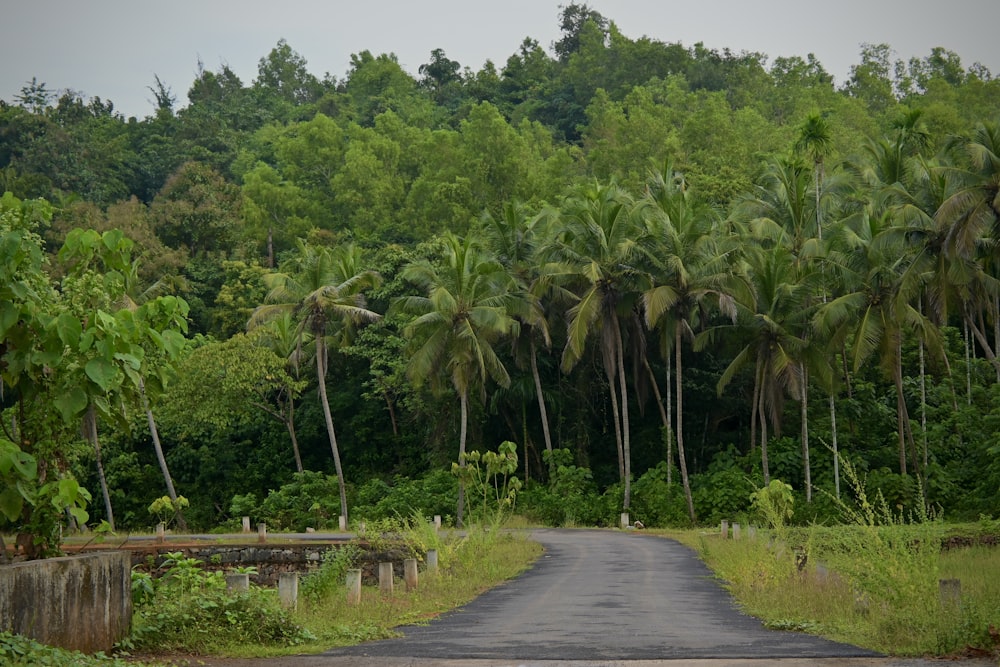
(872, 586)
(469, 565)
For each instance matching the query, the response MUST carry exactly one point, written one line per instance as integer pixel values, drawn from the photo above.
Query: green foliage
(490, 476)
(166, 510)
(190, 610)
(773, 504)
(570, 498)
(19, 651)
(310, 500)
(329, 578)
(656, 503)
(434, 493)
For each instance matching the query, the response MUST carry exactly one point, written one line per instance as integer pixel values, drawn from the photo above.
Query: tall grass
(873, 581)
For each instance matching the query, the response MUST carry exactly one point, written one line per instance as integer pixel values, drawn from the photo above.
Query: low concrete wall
(77, 602)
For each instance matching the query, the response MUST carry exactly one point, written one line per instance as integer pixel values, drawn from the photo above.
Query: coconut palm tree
(774, 330)
(690, 266)
(513, 239)
(463, 311)
(595, 250)
(879, 304)
(324, 290)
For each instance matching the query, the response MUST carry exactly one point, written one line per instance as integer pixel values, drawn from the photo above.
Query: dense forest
(669, 274)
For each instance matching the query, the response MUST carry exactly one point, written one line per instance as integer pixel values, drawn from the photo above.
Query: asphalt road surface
(598, 598)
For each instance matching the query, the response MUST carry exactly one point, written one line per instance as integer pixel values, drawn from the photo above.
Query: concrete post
(343, 523)
(246, 524)
(237, 582)
(736, 531)
(410, 573)
(432, 560)
(624, 520)
(262, 533)
(385, 578)
(437, 522)
(288, 589)
(724, 529)
(353, 586)
(752, 532)
(161, 530)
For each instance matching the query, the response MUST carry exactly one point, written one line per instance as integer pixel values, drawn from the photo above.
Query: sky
(113, 49)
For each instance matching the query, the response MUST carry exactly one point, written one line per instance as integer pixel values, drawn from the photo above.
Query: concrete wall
(78, 602)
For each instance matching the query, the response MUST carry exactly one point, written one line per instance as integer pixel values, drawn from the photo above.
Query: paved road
(598, 598)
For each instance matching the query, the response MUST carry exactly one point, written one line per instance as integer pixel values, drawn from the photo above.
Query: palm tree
(513, 238)
(595, 249)
(778, 215)
(281, 336)
(878, 306)
(463, 312)
(324, 290)
(776, 339)
(689, 263)
(971, 217)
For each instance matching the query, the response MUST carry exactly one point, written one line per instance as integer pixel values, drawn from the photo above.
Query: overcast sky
(113, 48)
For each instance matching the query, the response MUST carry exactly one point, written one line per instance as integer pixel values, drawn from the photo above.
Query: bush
(656, 503)
(189, 609)
(311, 499)
(570, 498)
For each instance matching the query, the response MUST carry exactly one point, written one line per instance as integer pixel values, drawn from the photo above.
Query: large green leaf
(11, 503)
(71, 404)
(102, 372)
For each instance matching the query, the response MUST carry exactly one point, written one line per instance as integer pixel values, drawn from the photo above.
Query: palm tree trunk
(805, 433)
(626, 443)
(541, 399)
(617, 418)
(836, 451)
(290, 425)
(987, 348)
(901, 415)
(680, 425)
(753, 404)
(91, 424)
(321, 373)
(464, 402)
(762, 416)
(670, 425)
(160, 458)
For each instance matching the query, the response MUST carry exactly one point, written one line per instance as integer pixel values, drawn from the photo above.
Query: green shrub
(656, 503)
(190, 610)
(19, 651)
(332, 573)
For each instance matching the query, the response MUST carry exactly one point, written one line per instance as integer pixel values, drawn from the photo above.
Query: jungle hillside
(649, 277)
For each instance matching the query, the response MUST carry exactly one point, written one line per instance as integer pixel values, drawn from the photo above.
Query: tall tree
(324, 290)
(464, 310)
(596, 249)
(690, 263)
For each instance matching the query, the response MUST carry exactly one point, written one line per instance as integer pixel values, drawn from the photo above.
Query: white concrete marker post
(437, 522)
(410, 573)
(246, 524)
(724, 529)
(262, 533)
(343, 523)
(161, 530)
(288, 589)
(624, 520)
(353, 586)
(385, 578)
(736, 531)
(237, 582)
(432, 560)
